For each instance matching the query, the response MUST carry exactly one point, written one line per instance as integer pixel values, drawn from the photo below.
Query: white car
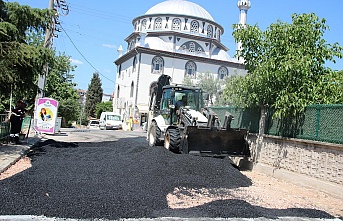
(93, 124)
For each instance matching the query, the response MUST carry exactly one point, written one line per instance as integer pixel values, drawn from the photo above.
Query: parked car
(93, 124)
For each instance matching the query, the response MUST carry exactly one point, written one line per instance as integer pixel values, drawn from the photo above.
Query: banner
(46, 114)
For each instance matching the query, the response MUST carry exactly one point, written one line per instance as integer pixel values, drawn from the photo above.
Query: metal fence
(319, 122)
(247, 119)
(4, 126)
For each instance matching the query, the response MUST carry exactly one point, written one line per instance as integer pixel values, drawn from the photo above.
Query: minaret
(120, 51)
(243, 6)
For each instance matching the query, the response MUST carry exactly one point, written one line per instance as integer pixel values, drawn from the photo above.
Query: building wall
(174, 67)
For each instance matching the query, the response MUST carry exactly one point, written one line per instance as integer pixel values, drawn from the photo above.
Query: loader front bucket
(207, 142)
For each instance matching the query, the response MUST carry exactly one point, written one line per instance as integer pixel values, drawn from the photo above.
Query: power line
(84, 56)
(101, 12)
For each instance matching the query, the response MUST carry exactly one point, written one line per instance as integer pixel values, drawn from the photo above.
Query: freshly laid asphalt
(123, 180)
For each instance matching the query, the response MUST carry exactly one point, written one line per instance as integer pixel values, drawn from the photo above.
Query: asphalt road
(115, 174)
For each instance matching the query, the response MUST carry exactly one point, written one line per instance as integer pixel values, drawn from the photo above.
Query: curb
(22, 153)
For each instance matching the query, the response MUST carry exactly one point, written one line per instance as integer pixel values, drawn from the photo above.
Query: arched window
(158, 24)
(134, 63)
(192, 47)
(157, 64)
(132, 89)
(190, 69)
(131, 45)
(119, 71)
(176, 24)
(194, 26)
(143, 25)
(118, 92)
(218, 35)
(210, 31)
(222, 72)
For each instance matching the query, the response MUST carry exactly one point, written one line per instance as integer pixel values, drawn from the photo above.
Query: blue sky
(95, 29)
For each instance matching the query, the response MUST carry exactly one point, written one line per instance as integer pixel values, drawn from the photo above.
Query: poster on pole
(46, 114)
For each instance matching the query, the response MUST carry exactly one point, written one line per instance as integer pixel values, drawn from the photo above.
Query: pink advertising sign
(46, 114)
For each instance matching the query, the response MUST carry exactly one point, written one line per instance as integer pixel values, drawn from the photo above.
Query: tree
(93, 96)
(20, 61)
(188, 81)
(286, 66)
(60, 86)
(210, 84)
(103, 107)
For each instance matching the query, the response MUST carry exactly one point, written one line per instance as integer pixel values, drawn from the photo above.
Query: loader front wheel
(172, 140)
(154, 135)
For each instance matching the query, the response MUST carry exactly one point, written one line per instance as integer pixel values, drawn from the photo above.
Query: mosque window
(119, 71)
(118, 92)
(194, 26)
(143, 25)
(210, 31)
(184, 48)
(218, 35)
(134, 63)
(132, 89)
(158, 24)
(192, 47)
(176, 24)
(157, 64)
(190, 69)
(131, 45)
(222, 72)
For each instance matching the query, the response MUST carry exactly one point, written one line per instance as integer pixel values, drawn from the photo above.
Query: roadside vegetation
(23, 57)
(287, 67)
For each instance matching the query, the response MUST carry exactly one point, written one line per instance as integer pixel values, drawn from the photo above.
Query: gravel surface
(125, 178)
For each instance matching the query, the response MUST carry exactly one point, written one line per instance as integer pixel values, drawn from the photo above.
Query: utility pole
(57, 5)
(47, 40)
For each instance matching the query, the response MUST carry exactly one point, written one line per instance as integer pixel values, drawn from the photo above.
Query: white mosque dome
(220, 54)
(157, 43)
(180, 7)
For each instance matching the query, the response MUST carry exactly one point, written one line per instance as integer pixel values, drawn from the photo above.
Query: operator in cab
(182, 102)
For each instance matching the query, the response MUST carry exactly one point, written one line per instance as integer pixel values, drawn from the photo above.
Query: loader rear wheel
(154, 135)
(172, 140)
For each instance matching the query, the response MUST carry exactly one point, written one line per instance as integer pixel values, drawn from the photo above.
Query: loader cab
(191, 97)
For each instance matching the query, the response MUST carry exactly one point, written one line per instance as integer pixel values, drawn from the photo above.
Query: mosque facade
(178, 38)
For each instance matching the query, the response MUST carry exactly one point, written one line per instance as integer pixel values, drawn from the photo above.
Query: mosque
(178, 38)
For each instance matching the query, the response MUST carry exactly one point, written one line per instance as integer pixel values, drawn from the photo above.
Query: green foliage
(209, 83)
(60, 87)
(23, 56)
(188, 81)
(286, 66)
(21, 62)
(103, 107)
(94, 95)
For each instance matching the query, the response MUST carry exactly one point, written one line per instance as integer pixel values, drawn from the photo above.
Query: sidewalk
(10, 154)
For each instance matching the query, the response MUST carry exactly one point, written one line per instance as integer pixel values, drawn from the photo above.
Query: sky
(93, 30)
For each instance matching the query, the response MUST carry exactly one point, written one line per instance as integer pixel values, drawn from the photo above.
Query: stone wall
(311, 163)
